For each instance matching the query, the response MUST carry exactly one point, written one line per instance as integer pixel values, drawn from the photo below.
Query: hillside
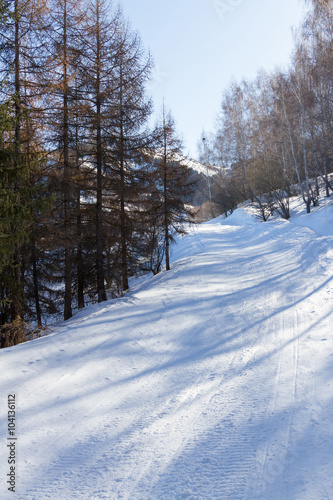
(211, 381)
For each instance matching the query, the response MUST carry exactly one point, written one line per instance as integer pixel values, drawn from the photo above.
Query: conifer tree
(18, 197)
(173, 183)
(129, 138)
(62, 26)
(100, 27)
(20, 200)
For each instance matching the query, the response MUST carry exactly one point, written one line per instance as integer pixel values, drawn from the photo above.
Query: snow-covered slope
(200, 168)
(211, 381)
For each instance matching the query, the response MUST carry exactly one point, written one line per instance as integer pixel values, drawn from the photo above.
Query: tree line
(273, 136)
(89, 193)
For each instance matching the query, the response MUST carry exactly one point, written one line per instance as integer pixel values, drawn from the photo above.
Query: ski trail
(211, 381)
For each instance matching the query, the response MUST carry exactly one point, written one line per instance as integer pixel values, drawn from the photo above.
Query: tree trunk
(99, 160)
(123, 229)
(68, 273)
(17, 304)
(79, 252)
(35, 282)
(166, 221)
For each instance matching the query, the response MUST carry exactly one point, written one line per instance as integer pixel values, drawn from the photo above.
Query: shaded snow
(211, 381)
(320, 220)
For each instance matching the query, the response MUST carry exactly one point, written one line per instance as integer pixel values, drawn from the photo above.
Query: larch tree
(130, 137)
(101, 27)
(62, 27)
(173, 183)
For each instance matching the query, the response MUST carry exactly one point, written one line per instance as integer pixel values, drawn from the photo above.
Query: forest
(91, 194)
(273, 135)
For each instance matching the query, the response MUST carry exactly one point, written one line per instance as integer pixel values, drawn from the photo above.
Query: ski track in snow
(211, 381)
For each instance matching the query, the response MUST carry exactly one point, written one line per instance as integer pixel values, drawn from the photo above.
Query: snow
(201, 168)
(211, 381)
(321, 220)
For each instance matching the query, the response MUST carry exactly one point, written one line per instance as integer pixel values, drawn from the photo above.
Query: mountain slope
(210, 381)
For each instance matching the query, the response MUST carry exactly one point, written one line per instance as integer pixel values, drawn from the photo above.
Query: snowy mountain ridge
(211, 381)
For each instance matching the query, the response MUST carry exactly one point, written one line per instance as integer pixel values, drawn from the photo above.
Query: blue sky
(199, 46)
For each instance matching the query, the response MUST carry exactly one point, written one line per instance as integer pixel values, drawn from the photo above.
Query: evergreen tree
(20, 201)
(19, 198)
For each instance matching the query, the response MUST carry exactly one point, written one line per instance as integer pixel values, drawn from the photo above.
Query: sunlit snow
(211, 381)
